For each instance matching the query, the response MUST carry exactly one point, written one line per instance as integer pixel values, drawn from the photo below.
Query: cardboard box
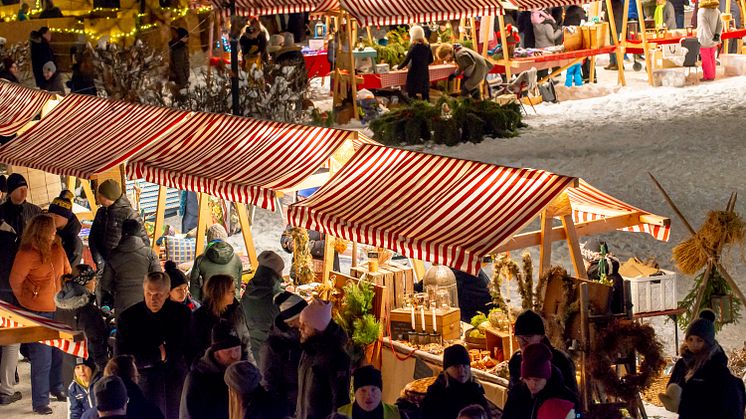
(448, 322)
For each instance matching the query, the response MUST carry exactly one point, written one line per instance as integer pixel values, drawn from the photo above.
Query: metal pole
(234, 59)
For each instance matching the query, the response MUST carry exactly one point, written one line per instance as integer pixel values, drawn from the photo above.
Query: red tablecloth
(317, 65)
(399, 77)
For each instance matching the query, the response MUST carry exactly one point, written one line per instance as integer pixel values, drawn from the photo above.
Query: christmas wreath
(622, 338)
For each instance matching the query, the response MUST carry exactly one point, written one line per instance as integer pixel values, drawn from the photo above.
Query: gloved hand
(716, 37)
(394, 68)
(451, 76)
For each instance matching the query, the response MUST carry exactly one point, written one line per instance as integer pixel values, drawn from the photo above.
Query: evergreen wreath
(621, 338)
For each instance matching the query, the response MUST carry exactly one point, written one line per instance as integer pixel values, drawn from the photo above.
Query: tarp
(19, 105)
(240, 159)
(14, 317)
(273, 7)
(395, 12)
(441, 209)
(85, 135)
(541, 4)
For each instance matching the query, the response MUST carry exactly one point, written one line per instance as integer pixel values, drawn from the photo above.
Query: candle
(413, 325)
(435, 326)
(422, 317)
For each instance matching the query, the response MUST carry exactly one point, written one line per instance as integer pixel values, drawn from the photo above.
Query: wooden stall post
(354, 254)
(572, 242)
(618, 48)
(585, 385)
(726, 44)
(504, 40)
(353, 78)
(545, 248)
(89, 195)
(211, 42)
(489, 22)
(202, 217)
(328, 257)
(643, 32)
(160, 211)
(474, 37)
(248, 238)
(70, 183)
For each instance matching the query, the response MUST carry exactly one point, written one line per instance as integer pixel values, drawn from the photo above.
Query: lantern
(441, 278)
(722, 304)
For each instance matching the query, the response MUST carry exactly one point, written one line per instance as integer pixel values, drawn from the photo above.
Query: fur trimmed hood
(72, 296)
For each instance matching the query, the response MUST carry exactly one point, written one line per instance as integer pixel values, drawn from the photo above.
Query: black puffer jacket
(712, 392)
(258, 306)
(473, 294)
(124, 272)
(279, 360)
(323, 374)
(205, 394)
(200, 330)
(521, 404)
(106, 230)
(560, 360)
(77, 302)
(445, 398)
(72, 244)
(14, 219)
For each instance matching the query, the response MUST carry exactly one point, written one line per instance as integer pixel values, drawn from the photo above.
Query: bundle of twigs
(726, 227)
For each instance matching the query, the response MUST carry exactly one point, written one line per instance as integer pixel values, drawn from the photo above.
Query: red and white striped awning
(19, 105)
(542, 4)
(395, 12)
(84, 135)
(275, 7)
(428, 207)
(589, 204)
(74, 342)
(240, 159)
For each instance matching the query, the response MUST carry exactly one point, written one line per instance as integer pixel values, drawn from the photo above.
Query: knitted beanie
(242, 377)
(318, 314)
(62, 207)
(177, 276)
(536, 361)
(216, 232)
(555, 409)
(366, 376)
(14, 182)
(529, 323)
(223, 337)
(110, 190)
(704, 326)
(455, 355)
(271, 260)
(290, 305)
(130, 227)
(85, 274)
(111, 394)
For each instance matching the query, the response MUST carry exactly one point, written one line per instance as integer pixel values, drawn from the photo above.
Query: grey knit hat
(243, 377)
(704, 326)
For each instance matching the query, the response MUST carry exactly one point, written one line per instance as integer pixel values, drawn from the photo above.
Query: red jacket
(34, 282)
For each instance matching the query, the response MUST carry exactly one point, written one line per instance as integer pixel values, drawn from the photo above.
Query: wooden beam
(504, 40)
(248, 238)
(587, 228)
(559, 70)
(574, 244)
(353, 79)
(27, 334)
(545, 243)
(160, 211)
(328, 257)
(354, 254)
(89, 195)
(643, 33)
(70, 183)
(202, 218)
(615, 40)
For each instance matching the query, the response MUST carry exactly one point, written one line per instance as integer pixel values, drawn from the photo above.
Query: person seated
(23, 12)
(368, 384)
(50, 11)
(52, 79)
(541, 389)
(455, 387)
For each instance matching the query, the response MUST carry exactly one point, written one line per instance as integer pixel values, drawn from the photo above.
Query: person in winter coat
(665, 15)
(50, 11)
(526, 30)
(127, 266)
(473, 293)
(678, 7)
(574, 16)
(219, 259)
(538, 386)
(9, 71)
(257, 302)
(280, 355)
(471, 65)
(254, 45)
(111, 395)
(82, 80)
(324, 368)
(473, 411)
(68, 228)
(709, 29)
(546, 31)
(156, 332)
(598, 266)
(205, 393)
(106, 230)
(77, 297)
(455, 387)
(247, 398)
(179, 64)
(79, 391)
(419, 57)
(35, 279)
(367, 384)
(123, 366)
(179, 286)
(701, 384)
(219, 304)
(529, 329)
(189, 211)
(41, 53)
(52, 79)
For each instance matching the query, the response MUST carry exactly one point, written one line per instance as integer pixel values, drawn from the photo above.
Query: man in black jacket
(106, 231)
(68, 228)
(155, 332)
(529, 329)
(41, 53)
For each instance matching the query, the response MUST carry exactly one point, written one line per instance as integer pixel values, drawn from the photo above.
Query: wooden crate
(43, 186)
(397, 278)
(654, 293)
(500, 340)
(448, 322)
(379, 292)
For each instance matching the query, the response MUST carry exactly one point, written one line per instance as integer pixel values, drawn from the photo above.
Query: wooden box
(498, 343)
(448, 322)
(398, 280)
(378, 310)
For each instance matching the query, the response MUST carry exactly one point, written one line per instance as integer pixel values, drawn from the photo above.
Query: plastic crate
(654, 293)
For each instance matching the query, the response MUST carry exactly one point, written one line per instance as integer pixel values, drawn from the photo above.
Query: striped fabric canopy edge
(239, 159)
(19, 105)
(541, 4)
(440, 209)
(589, 197)
(77, 349)
(85, 135)
(274, 7)
(396, 12)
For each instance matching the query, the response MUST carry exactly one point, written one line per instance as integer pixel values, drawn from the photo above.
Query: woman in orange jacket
(35, 279)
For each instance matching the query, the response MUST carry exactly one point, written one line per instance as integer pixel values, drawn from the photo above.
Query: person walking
(68, 228)
(418, 58)
(35, 279)
(257, 302)
(709, 29)
(155, 332)
(219, 258)
(128, 264)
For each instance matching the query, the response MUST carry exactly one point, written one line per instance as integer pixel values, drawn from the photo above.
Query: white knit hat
(318, 314)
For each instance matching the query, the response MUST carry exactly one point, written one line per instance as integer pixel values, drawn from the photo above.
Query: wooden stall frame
(31, 331)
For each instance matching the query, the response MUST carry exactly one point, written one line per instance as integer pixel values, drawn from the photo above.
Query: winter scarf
(658, 15)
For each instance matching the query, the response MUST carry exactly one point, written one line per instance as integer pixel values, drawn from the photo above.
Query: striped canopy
(434, 208)
(239, 159)
(445, 210)
(395, 12)
(19, 105)
(541, 4)
(274, 7)
(71, 341)
(85, 135)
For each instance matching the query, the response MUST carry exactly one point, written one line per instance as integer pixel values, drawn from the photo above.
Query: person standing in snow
(219, 258)
(709, 29)
(257, 301)
(471, 65)
(419, 57)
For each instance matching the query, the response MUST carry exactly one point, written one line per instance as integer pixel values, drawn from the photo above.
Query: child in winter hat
(536, 362)
(317, 315)
(455, 355)
(703, 327)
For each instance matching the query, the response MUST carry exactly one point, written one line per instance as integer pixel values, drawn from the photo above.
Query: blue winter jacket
(80, 400)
